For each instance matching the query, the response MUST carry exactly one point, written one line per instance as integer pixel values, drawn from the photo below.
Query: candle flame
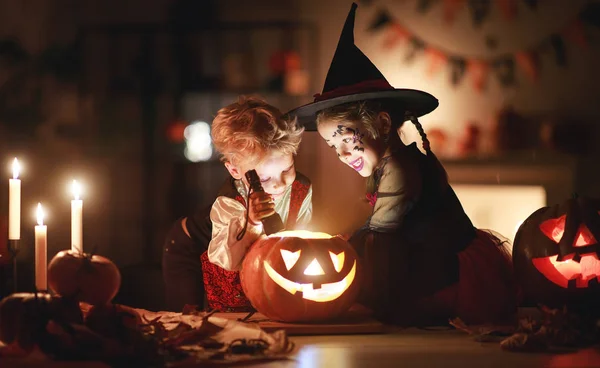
(76, 189)
(16, 168)
(40, 215)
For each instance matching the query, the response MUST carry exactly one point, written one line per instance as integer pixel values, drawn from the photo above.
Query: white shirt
(399, 188)
(228, 217)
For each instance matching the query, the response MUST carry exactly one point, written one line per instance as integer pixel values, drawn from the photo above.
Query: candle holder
(14, 246)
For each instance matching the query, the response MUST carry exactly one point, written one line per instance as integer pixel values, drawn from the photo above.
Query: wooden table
(405, 348)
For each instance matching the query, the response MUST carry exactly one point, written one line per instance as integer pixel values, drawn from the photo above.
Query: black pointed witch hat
(353, 77)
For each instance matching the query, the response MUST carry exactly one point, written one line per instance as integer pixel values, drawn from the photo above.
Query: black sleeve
(182, 270)
(384, 284)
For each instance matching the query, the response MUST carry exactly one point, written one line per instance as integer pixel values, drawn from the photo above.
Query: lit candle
(14, 204)
(76, 219)
(41, 252)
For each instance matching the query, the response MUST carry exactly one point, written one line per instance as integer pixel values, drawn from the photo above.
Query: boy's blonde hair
(246, 130)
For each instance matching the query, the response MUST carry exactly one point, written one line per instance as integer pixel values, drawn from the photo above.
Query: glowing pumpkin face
(300, 276)
(556, 251)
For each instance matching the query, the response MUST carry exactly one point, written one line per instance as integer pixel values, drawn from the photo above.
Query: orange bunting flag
(395, 34)
(528, 62)
(451, 8)
(478, 70)
(437, 59)
(508, 8)
(575, 33)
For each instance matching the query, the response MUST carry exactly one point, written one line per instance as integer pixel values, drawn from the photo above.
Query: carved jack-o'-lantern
(298, 276)
(556, 254)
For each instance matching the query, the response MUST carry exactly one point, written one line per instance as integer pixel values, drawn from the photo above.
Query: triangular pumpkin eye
(314, 268)
(584, 237)
(290, 258)
(337, 260)
(554, 228)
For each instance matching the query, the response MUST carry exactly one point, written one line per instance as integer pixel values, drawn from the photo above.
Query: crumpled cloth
(229, 330)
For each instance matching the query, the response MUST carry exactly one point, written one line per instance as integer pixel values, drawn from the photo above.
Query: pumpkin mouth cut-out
(326, 293)
(569, 273)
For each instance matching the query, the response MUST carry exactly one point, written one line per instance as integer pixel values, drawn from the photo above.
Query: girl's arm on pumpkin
(305, 213)
(228, 217)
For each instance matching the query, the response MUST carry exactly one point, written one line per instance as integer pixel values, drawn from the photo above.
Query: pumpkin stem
(87, 258)
(93, 252)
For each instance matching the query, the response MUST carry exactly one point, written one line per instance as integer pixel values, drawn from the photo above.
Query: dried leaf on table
(459, 324)
(76, 341)
(189, 309)
(191, 336)
(528, 325)
(524, 343)
(155, 328)
(483, 333)
(557, 328)
(179, 329)
(209, 339)
(159, 339)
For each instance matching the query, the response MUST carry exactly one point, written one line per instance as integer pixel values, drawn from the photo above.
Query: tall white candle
(14, 203)
(41, 252)
(76, 219)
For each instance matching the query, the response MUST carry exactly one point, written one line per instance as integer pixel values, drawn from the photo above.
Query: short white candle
(76, 219)
(14, 203)
(41, 252)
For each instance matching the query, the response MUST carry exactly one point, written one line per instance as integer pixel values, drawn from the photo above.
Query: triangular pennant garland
(503, 66)
(458, 67)
(479, 11)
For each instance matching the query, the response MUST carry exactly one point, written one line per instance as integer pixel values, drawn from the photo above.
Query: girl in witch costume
(203, 252)
(423, 260)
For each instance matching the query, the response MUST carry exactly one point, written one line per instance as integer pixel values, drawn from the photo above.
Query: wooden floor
(418, 348)
(395, 348)
(407, 348)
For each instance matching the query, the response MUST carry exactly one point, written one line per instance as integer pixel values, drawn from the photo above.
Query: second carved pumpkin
(556, 254)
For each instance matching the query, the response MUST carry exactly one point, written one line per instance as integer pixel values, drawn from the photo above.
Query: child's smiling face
(276, 171)
(353, 144)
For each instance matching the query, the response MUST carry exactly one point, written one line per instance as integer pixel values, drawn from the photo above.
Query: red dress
(423, 260)
(223, 288)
